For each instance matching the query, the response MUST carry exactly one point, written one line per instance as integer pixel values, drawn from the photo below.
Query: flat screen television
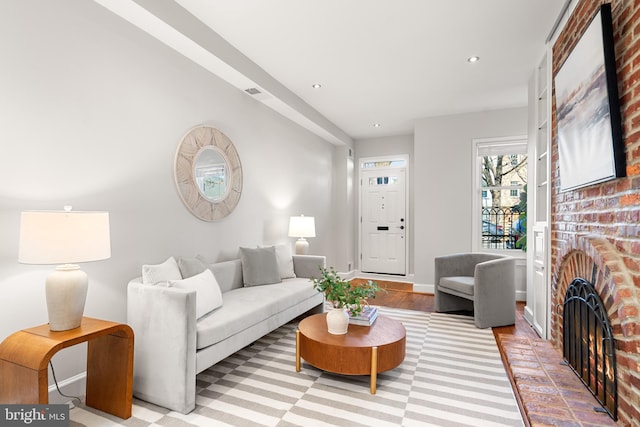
(590, 145)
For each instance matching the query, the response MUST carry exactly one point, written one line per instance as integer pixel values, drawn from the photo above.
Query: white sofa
(172, 345)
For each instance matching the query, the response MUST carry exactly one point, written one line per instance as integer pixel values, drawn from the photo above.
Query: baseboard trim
(423, 289)
(74, 386)
(528, 314)
(348, 275)
(384, 277)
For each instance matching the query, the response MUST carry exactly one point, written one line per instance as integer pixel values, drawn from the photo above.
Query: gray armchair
(478, 282)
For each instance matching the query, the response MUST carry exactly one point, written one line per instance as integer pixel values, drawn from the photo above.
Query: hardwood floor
(401, 295)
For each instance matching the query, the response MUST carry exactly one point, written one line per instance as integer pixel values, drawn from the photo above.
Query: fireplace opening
(588, 343)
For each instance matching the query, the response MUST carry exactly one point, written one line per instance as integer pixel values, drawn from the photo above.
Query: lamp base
(66, 290)
(302, 246)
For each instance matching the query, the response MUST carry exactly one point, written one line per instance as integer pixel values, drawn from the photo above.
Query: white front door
(384, 222)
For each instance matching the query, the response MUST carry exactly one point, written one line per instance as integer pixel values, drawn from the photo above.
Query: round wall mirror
(208, 173)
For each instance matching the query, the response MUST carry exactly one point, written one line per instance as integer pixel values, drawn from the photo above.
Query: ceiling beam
(174, 26)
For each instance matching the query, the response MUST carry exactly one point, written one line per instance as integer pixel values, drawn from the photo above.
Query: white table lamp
(301, 227)
(65, 238)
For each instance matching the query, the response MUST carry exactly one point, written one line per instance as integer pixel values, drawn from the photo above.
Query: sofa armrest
(495, 279)
(164, 322)
(308, 266)
(495, 293)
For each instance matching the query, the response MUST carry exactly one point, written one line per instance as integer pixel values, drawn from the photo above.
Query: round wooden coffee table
(363, 350)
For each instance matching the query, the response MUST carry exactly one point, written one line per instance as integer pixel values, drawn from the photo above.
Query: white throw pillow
(259, 266)
(208, 294)
(285, 261)
(161, 273)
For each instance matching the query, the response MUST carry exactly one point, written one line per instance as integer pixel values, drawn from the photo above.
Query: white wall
(443, 183)
(91, 113)
(343, 210)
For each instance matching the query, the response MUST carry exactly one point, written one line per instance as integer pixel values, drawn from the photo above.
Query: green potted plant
(346, 299)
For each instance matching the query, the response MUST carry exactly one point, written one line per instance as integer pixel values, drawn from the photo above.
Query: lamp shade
(302, 226)
(63, 237)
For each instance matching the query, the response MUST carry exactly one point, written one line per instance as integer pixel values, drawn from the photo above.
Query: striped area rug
(452, 376)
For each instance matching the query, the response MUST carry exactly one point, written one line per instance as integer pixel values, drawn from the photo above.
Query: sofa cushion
(259, 266)
(153, 274)
(208, 295)
(462, 284)
(245, 307)
(227, 273)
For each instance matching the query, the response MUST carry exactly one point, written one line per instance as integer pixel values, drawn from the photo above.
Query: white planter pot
(338, 321)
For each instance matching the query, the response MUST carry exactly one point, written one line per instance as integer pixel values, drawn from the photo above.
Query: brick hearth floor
(551, 394)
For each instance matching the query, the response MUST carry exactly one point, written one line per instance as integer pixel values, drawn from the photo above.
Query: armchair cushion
(463, 284)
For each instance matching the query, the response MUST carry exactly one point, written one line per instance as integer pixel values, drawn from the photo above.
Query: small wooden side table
(25, 355)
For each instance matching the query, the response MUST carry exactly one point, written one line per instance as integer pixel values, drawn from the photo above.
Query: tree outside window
(503, 178)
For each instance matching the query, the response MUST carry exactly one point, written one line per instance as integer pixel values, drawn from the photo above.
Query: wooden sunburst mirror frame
(200, 142)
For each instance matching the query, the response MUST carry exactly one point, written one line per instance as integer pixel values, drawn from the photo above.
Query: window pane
(514, 191)
(503, 180)
(384, 164)
(383, 180)
(499, 170)
(502, 226)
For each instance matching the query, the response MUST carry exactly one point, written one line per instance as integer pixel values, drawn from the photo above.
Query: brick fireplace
(596, 259)
(595, 231)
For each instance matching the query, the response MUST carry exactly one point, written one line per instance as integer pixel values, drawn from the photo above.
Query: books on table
(366, 317)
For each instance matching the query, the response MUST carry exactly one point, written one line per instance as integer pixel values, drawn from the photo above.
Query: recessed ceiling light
(316, 86)
(376, 125)
(473, 59)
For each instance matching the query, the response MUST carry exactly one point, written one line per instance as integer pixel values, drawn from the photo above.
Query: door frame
(409, 231)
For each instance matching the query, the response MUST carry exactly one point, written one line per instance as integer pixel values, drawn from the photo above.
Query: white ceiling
(380, 61)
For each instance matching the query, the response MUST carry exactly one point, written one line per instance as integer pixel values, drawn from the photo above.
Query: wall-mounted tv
(590, 145)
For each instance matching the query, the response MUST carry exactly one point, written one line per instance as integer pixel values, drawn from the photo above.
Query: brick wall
(600, 225)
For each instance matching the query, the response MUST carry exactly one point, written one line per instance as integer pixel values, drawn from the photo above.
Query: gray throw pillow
(259, 266)
(285, 261)
(189, 267)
